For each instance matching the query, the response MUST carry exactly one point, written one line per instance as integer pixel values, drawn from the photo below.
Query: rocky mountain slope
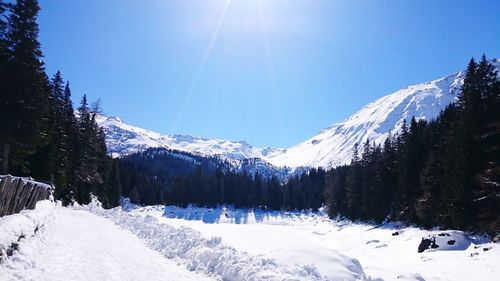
(333, 146)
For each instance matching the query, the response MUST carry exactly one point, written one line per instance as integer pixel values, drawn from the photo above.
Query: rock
(424, 245)
(434, 245)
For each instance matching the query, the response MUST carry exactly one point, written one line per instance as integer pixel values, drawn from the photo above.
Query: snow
(27, 180)
(171, 243)
(123, 139)
(90, 243)
(23, 224)
(77, 245)
(211, 256)
(339, 249)
(333, 146)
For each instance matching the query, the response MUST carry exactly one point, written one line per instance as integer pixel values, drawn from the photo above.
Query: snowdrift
(387, 251)
(15, 227)
(211, 256)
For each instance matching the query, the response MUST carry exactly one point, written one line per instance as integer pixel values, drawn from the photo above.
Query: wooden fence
(17, 194)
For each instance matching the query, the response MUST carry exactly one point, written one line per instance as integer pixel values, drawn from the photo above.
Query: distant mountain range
(333, 146)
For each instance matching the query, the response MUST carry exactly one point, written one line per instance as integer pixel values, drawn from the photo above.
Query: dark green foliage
(445, 172)
(24, 103)
(40, 135)
(112, 185)
(5, 139)
(161, 176)
(442, 173)
(94, 174)
(353, 188)
(4, 47)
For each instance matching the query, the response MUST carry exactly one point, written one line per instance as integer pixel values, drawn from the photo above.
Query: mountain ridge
(331, 147)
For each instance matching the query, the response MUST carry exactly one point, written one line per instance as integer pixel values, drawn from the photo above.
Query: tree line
(444, 172)
(40, 135)
(163, 176)
(440, 173)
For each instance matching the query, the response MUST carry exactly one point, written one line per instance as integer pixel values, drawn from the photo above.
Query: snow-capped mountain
(123, 139)
(333, 146)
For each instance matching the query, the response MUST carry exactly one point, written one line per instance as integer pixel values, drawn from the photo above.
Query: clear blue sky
(271, 72)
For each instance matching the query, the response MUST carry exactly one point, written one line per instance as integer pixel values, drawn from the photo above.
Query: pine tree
(4, 46)
(112, 186)
(60, 140)
(486, 191)
(87, 171)
(387, 166)
(464, 152)
(353, 186)
(488, 88)
(24, 105)
(426, 207)
(400, 207)
(5, 137)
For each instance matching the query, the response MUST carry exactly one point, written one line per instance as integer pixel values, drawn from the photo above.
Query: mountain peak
(334, 145)
(331, 147)
(114, 119)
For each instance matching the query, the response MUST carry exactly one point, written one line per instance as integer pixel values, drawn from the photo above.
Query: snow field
(308, 238)
(180, 244)
(214, 258)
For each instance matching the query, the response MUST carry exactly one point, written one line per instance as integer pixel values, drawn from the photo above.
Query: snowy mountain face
(333, 146)
(123, 139)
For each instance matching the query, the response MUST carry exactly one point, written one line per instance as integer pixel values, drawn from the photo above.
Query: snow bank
(211, 256)
(311, 238)
(25, 224)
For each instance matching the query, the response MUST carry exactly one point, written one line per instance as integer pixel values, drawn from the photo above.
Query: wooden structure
(17, 194)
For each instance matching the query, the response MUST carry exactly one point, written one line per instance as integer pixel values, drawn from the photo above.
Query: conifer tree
(60, 138)
(86, 172)
(5, 137)
(426, 207)
(4, 46)
(486, 191)
(112, 186)
(25, 101)
(353, 192)
(464, 152)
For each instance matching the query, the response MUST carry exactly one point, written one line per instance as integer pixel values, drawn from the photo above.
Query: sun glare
(254, 19)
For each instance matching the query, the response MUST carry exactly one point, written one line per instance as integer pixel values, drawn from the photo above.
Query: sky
(270, 72)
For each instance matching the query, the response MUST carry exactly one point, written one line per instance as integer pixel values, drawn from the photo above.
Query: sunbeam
(201, 66)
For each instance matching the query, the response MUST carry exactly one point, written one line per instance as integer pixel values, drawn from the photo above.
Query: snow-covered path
(158, 243)
(78, 245)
